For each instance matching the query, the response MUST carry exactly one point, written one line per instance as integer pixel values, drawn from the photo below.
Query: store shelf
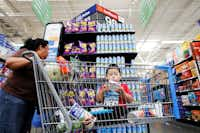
(186, 80)
(98, 33)
(189, 90)
(150, 119)
(92, 57)
(189, 58)
(192, 106)
(190, 121)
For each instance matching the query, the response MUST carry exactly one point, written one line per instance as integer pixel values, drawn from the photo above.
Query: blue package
(134, 129)
(144, 128)
(119, 129)
(114, 130)
(128, 129)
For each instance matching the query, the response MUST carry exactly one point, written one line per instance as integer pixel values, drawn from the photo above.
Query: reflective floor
(173, 127)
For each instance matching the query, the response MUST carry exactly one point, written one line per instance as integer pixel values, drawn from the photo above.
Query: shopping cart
(60, 85)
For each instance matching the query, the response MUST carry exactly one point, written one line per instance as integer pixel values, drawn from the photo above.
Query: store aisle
(173, 127)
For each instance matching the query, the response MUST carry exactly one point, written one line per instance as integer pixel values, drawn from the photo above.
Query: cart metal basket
(60, 85)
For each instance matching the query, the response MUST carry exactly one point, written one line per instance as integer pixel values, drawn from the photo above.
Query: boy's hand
(105, 88)
(120, 90)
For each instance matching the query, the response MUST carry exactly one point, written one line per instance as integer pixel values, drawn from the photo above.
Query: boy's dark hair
(113, 66)
(33, 44)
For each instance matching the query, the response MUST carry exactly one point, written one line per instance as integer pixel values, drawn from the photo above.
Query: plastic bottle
(119, 129)
(139, 129)
(128, 129)
(114, 129)
(99, 27)
(110, 44)
(144, 128)
(134, 129)
(114, 60)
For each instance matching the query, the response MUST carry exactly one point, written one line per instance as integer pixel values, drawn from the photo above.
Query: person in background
(18, 97)
(113, 73)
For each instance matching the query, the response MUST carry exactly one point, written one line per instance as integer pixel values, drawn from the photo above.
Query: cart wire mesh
(61, 84)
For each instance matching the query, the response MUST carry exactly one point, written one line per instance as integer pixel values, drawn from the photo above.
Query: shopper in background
(18, 96)
(113, 74)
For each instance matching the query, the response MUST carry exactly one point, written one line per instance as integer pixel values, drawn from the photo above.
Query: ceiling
(172, 22)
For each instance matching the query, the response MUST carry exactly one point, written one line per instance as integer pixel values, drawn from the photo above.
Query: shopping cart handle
(33, 53)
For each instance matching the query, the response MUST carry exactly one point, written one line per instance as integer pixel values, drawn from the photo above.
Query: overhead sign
(147, 8)
(42, 10)
(100, 14)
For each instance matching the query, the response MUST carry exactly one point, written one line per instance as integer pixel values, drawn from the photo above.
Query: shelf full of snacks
(187, 76)
(98, 40)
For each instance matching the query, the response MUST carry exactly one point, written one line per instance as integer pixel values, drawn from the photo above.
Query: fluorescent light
(172, 42)
(146, 46)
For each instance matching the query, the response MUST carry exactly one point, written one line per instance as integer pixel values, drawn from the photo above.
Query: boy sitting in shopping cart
(113, 92)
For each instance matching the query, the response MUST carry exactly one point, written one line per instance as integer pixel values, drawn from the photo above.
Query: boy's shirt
(113, 98)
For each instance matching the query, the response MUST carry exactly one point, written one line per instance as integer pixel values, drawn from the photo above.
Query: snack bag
(91, 26)
(76, 50)
(92, 72)
(68, 28)
(83, 47)
(82, 96)
(91, 47)
(71, 97)
(77, 112)
(91, 97)
(68, 48)
(83, 26)
(75, 27)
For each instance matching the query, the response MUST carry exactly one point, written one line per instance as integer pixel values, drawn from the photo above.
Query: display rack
(188, 104)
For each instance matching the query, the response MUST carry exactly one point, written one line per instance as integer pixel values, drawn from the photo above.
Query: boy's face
(113, 74)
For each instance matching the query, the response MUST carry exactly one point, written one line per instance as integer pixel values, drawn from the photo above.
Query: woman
(18, 96)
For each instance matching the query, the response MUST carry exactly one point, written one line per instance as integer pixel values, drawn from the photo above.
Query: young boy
(113, 74)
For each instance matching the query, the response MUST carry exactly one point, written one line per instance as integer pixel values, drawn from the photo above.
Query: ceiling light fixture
(172, 42)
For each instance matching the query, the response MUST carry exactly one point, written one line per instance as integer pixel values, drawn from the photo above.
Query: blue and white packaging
(144, 128)
(114, 129)
(134, 129)
(119, 129)
(128, 129)
(139, 129)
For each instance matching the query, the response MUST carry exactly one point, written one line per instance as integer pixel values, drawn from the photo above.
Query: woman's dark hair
(33, 44)
(113, 66)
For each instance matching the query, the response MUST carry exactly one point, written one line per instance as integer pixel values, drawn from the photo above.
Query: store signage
(42, 10)
(52, 35)
(147, 8)
(85, 14)
(98, 12)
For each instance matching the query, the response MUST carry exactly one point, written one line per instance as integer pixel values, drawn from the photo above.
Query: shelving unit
(189, 87)
(92, 57)
(178, 82)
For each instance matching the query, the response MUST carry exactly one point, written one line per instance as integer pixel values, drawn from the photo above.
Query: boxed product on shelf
(196, 115)
(186, 49)
(196, 49)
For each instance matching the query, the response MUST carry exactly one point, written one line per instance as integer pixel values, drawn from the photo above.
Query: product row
(117, 27)
(79, 48)
(92, 26)
(188, 85)
(186, 113)
(82, 26)
(116, 43)
(186, 70)
(124, 129)
(191, 99)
